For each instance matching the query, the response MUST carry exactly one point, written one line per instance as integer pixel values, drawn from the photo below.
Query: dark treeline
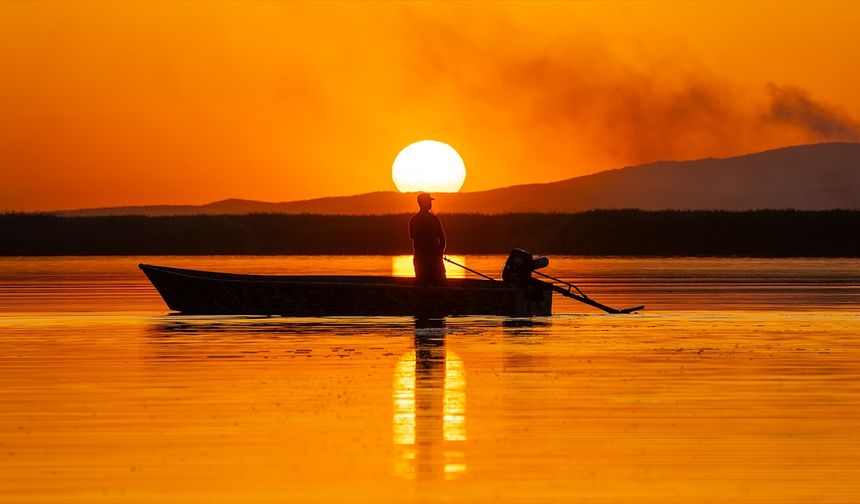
(766, 233)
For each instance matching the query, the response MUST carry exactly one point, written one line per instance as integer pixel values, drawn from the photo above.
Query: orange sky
(119, 103)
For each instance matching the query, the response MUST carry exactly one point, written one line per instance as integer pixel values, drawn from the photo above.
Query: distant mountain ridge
(806, 177)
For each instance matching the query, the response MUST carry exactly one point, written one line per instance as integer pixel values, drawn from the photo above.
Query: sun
(429, 166)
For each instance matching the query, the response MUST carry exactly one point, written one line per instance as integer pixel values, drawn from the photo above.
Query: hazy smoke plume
(577, 105)
(794, 106)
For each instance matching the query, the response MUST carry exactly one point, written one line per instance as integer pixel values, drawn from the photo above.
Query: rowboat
(518, 294)
(209, 293)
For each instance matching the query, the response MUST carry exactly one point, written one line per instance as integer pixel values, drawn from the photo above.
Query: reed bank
(762, 233)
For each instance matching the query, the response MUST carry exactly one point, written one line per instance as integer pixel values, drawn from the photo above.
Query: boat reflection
(429, 422)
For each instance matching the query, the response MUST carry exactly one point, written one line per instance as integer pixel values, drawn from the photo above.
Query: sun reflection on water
(429, 414)
(401, 266)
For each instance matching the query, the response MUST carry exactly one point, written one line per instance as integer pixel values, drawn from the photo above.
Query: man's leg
(420, 270)
(440, 270)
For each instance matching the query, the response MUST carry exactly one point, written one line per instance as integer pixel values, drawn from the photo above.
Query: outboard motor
(519, 266)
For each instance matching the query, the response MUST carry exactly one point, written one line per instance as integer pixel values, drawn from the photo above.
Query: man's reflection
(430, 407)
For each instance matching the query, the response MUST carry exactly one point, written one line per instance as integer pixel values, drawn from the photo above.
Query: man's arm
(440, 234)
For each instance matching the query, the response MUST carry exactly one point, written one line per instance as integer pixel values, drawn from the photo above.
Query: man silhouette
(428, 243)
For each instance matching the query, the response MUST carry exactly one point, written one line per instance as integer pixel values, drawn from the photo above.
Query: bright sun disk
(429, 166)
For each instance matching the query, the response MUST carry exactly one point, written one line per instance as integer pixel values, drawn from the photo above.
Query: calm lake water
(740, 382)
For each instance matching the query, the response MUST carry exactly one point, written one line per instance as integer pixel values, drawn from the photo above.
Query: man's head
(425, 201)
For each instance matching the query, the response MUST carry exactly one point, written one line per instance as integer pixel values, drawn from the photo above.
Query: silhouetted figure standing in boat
(428, 243)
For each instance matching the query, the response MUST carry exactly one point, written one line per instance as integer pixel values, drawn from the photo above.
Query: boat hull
(209, 293)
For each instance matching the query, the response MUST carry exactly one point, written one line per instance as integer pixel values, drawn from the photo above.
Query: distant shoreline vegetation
(763, 233)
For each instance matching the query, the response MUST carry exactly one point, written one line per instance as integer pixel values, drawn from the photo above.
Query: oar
(470, 269)
(582, 298)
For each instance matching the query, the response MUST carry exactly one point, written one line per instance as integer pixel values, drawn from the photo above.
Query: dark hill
(807, 177)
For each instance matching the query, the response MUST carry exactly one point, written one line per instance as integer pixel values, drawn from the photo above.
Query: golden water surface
(738, 383)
